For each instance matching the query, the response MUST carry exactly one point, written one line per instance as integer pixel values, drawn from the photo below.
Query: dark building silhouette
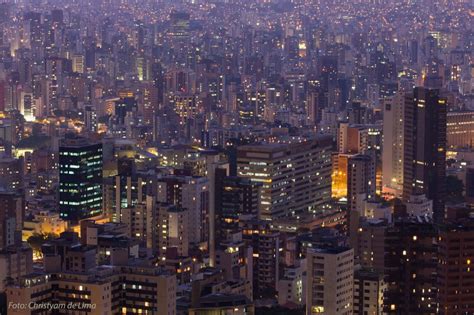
(425, 148)
(234, 196)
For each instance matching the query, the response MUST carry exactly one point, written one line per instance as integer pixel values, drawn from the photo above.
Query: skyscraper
(424, 170)
(393, 128)
(80, 178)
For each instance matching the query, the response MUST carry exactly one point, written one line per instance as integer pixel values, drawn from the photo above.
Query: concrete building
(369, 288)
(291, 287)
(369, 244)
(223, 304)
(460, 129)
(296, 177)
(410, 267)
(11, 219)
(104, 290)
(454, 273)
(360, 181)
(419, 205)
(424, 167)
(191, 193)
(80, 178)
(392, 152)
(266, 259)
(329, 282)
(173, 223)
(11, 173)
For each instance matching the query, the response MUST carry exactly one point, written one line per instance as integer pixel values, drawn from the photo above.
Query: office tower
(80, 178)
(410, 267)
(306, 181)
(392, 152)
(424, 167)
(455, 262)
(329, 280)
(369, 288)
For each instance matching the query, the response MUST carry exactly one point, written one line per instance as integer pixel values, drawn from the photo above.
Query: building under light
(80, 178)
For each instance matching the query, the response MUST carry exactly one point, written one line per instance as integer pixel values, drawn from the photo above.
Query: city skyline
(240, 157)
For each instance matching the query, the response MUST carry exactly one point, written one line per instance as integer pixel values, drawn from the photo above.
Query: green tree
(454, 189)
(37, 240)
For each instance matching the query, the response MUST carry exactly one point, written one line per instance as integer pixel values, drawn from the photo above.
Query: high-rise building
(424, 167)
(369, 244)
(266, 259)
(103, 290)
(173, 227)
(80, 178)
(329, 281)
(11, 170)
(296, 177)
(455, 262)
(234, 197)
(369, 288)
(11, 219)
(392, 153)
(352, 138)
(360, 181)
(15, 260)
(410, 267)
(291, 286)
(191, 193)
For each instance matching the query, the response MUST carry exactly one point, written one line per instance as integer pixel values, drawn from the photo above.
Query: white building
(392, 149)
(329, 282)
(369, 288)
